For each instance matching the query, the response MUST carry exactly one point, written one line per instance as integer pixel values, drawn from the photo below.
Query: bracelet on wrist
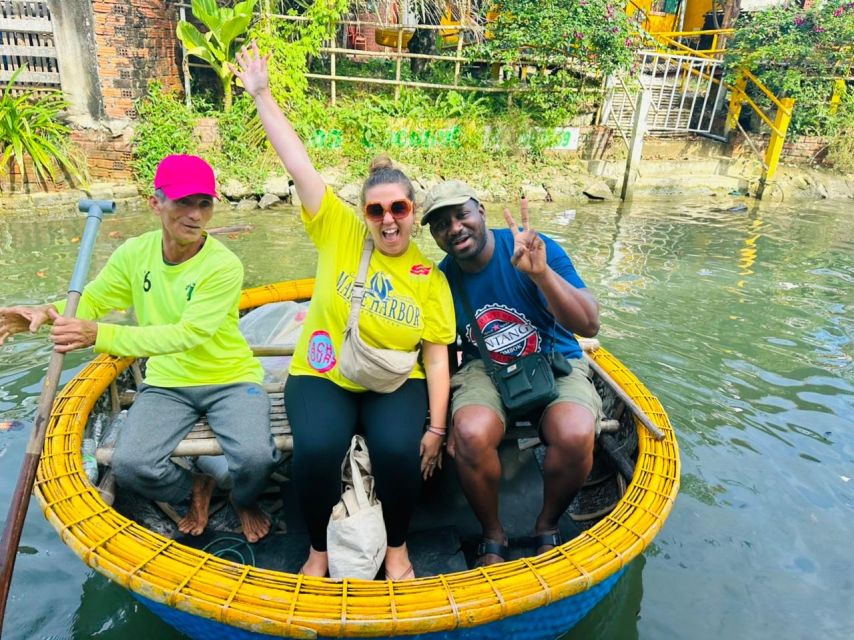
(437, 430)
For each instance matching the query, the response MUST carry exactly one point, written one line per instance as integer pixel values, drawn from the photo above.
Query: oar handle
(95, 210)
(657, 433)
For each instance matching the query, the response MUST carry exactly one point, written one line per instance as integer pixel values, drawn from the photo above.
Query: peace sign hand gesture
(529, 250)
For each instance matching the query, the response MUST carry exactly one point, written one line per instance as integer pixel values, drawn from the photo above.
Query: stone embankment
(716, 178)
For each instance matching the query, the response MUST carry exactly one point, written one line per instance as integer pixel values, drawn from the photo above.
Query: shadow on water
(742, 323)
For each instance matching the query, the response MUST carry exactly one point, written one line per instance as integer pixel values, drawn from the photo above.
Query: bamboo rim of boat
(277, 603)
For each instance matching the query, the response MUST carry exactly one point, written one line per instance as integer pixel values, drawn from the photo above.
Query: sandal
(545, 542)
(490, 547)
(409, 574)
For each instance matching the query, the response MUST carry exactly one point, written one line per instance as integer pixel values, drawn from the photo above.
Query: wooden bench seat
(201, 441)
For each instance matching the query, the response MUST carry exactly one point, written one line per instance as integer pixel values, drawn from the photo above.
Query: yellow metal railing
(669, 40)
(778, 126)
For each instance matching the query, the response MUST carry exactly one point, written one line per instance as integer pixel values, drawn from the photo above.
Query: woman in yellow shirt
(407, 304)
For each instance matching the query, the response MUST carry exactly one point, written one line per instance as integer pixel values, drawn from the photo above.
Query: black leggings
(324, 417)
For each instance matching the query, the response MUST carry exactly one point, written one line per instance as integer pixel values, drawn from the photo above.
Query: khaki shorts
(472, 386)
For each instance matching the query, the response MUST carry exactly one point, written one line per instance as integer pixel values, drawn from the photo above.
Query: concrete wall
(78, 71)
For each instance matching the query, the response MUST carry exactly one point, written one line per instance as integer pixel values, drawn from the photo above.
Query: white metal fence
(687, 94)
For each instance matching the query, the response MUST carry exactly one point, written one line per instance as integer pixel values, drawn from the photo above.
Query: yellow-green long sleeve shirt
(186, 313)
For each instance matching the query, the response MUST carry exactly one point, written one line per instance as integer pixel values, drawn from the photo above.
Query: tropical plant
(218, 45)
(568, 41)
(796, 52)
(165, 126)
(293, 43)
(30, 126)
(238, 154)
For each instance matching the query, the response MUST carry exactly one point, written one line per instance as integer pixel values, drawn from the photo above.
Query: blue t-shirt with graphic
(511, 311)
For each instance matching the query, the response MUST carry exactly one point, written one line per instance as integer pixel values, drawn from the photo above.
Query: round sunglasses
(399, 209)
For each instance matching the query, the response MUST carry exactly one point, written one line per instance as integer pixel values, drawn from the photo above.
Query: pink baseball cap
(179, 176)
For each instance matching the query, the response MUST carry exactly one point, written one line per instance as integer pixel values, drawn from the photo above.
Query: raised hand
(22, 318)
(252, 69)
(529, 250)
(71, 333)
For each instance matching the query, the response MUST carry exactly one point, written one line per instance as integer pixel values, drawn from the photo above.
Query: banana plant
(217, 46)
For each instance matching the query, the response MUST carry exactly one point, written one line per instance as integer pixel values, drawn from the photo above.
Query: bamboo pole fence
(397, 54)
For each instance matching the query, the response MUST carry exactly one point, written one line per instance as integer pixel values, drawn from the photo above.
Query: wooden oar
(591, 345)
(21, 497)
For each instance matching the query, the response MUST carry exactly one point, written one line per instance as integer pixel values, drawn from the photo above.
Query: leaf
(233, 28)
(207, 11)
(197, 44)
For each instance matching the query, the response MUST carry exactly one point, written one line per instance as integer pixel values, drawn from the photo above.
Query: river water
(741, 322)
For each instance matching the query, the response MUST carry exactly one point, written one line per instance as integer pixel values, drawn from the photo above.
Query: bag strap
(488, 364)
(359, 463)
(351, 502)
(359, 284)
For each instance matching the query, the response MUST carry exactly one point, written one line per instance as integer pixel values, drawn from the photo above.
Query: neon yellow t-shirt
(407, 298)
(186, 313)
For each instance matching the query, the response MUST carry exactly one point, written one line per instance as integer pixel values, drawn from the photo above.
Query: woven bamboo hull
(209, 597)
(543, 623)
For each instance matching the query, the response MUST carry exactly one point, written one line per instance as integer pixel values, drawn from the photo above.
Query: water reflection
(742, 324)
(617, 615)
(106, 611)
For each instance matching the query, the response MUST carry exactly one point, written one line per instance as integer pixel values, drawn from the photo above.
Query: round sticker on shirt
(321, 352)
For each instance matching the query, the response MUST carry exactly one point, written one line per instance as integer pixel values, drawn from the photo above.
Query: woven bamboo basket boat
(206, 596)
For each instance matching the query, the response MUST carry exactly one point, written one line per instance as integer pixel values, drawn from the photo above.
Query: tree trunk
(732, 9)
(227, 93)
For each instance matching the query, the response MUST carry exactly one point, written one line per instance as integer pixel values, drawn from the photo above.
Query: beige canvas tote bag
(355, 536)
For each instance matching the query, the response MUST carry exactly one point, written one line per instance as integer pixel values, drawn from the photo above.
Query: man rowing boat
(184, 287)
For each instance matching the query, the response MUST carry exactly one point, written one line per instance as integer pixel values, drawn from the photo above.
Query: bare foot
(397, 564)
(317, 564)
(256, 523)
(200, 501)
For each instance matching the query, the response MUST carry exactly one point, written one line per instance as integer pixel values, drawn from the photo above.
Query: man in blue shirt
(527, 297)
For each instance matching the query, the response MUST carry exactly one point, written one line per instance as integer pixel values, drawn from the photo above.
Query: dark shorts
(472, 386)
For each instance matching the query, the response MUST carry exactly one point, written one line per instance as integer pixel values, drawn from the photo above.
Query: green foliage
(464, 134)
(840, 148)
(238, 154)
(218, 45)
(165, 126)
(30, 127)
(292, 44)
(567, 41)
(459, 135)
(795, 52)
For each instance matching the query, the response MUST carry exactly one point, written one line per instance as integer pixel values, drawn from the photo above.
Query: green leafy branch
(218, 45)
(30, 127)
